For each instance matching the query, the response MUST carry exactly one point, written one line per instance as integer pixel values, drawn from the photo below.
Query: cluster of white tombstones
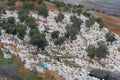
(76, 48)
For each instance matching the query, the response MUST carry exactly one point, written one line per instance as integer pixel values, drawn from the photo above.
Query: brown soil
(113, 28)
(1, 45)
(52, 75)
(84, 39)
(44, 21)
(51, 7)
(19, 5)
(112, 23)
(48, 75)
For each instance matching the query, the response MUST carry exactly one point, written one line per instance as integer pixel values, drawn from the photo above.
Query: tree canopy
(55, 34)
(97, 52)
(90, 22)
(43, 11)
(39, 41)
(40, 1)
(110, 37)
(23, 16)
(59, 41)
(74, 28)
(31, 22)
(27, 5)
(59, 18)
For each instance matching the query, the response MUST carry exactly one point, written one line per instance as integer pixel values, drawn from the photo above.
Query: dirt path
(84, 39)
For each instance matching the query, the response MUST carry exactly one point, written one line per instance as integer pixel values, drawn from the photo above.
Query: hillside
(108, 6)
(112, 23)
(54, 41)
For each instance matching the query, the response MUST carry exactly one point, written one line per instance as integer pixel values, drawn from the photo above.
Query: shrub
(40, 1)
(59, 4)
(55, 34)
(100, 52)
(101, 22)
(90, 22)
(43, 11)
(59, 41)
(59, 18)
(87, 14)
(110, 37)
(39, 40)
(27, 5)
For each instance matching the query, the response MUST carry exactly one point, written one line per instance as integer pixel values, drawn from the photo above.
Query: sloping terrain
(112, 23)
(109, 6)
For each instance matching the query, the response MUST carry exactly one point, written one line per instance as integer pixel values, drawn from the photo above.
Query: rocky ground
(75, 62)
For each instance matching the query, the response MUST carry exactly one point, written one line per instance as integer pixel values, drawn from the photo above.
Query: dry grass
(111, 22)
(84, 39)
(48, 75)
(51, 7)
(3, 3)
(52, 75)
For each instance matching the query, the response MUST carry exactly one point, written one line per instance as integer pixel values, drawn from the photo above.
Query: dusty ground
(84, 39)
(112, 23)
(51, 7)
(48, 75)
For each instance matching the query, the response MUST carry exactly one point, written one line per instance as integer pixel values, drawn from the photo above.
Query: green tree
(59, 4)
(59, 41)
(55, 34)
(71, 33)
(97, 52)
(91, 51)
(22, 17)
(0, 32)
(90, 22)
(23, 11)
(101, 22)
(31, 22)
(34, 32)
(9, 25)
(11, 2)
(2, 10)
(43, 11)
(102, 51)
(11, 20)
(79, 11)
(3, 24)
(21, 33)
(40, 1)
(13, 30)
(87, 14)
(76, 22)
(59, 18)
(80, 6)
(39, 41)
(110, 37)
(27, 5)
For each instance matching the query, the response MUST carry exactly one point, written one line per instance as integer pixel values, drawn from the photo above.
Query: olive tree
(90, 22)
(59, 18)
(39, 40)
(97, 52)
(40, 1)
(110, 37)
(55, 34)
(43, 11)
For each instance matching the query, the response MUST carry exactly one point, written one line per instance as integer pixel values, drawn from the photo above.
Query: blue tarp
(42, 64)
